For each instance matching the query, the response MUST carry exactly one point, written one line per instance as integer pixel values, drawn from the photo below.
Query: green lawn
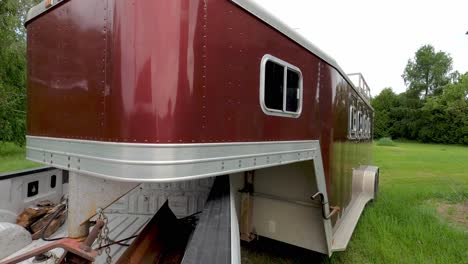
(12, 158)
(403, 225)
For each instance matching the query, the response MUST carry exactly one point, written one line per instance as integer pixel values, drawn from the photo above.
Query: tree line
(434, 107)
(13, 69)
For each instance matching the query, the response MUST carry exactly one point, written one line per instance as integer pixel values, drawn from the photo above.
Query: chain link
(56, 259)
(103, 236)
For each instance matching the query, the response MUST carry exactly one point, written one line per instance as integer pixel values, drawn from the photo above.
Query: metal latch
(334, 209)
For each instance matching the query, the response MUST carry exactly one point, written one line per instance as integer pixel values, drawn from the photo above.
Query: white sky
(378, 37)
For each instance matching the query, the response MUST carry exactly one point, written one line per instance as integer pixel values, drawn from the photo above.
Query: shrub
(386, 141)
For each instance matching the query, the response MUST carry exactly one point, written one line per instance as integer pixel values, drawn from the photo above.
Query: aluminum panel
(165, 162)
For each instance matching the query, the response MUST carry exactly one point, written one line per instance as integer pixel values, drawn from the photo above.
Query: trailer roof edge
(282, 27)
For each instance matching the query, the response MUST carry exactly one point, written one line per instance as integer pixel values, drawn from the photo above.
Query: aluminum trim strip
(175, 162)
(160, 162)
(35, 11)
(322, 187)
(168, 145)
(235, 234)
(41, 8)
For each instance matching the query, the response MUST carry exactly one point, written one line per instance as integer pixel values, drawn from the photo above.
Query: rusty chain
(56, 258)
(103, 237)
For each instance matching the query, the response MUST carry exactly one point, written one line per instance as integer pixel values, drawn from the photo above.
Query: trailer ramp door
(211, 240)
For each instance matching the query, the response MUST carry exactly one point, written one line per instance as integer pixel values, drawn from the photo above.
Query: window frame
(365, 125)
(353, 118)
(360, 123)
(369, 128)
(286, 66)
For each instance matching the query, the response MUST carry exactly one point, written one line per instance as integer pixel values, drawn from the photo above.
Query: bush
(386, 141)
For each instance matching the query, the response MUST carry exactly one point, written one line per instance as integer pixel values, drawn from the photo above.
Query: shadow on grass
(266, 250)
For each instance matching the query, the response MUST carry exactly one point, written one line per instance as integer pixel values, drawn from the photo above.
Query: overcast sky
(378, 37)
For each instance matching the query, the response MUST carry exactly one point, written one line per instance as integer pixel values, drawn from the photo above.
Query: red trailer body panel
(128, 73)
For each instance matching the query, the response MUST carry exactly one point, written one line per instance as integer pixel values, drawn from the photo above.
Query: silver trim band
(35, 11)
(40, 8)
(165, 162)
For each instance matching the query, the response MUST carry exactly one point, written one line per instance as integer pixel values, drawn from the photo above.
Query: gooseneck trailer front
(122, 93)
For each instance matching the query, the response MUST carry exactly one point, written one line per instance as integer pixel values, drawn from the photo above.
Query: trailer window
(292, 93)
(280, 87)
(364, 124)
(353, 118)
(360, 121)
(369, 127)
(274, 82)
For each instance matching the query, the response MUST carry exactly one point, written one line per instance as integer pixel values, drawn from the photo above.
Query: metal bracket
(335, 209)
(246, 215)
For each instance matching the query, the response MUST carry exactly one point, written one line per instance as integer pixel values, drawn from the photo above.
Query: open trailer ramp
(211, 240)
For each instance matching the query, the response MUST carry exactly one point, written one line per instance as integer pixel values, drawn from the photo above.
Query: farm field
(421, 215)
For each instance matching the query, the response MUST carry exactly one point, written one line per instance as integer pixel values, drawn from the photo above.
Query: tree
(441, 117)
(13, 69)
(383, 105)
(445, 117)
(407, 116)
(427, 72)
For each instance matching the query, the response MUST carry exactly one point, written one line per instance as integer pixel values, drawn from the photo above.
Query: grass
(402, 226)
(12, 158)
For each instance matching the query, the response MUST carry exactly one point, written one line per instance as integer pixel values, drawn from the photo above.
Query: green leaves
(434, 107)
(13, 69)
(427, 72)
(446, 115)
(441, 118)
(383, 105)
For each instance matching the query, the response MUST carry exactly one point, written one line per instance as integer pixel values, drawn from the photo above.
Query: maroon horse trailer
(122, 93)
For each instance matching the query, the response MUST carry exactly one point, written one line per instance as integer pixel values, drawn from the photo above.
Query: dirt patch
(454, 212)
